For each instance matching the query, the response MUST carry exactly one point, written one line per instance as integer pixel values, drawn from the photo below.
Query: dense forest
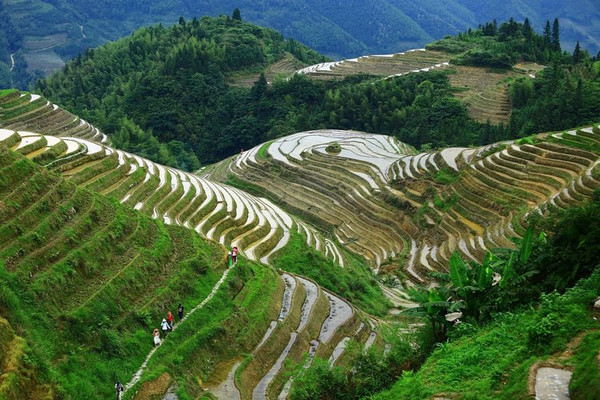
(68, 27)
(162, 92)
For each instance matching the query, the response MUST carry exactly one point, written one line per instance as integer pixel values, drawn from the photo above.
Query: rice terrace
(367, 267)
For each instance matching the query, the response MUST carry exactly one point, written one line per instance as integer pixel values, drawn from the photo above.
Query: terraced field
(342, 191)
(219, 212)
(484, 91)
(368, 194)
(30, 112)
(310, 320)
(381, 65)
(77, 268)
(397, 208)
(280, 69)
(54, 232)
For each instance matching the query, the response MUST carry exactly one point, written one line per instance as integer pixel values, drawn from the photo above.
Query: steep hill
(408, 212)
(53, 32)
(85, 278)
(83, 269)
(105, 274)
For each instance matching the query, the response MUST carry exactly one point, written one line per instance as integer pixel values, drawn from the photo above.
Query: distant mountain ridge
(44, 33)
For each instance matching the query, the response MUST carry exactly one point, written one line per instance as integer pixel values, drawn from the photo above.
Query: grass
(445, 204)
(229, 325)
(492, 362)
(88, 309)
(585, 383)
(262, 152)
(354, 282)
(445, 176)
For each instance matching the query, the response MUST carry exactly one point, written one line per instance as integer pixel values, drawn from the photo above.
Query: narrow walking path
(552, 384)
(138, 374)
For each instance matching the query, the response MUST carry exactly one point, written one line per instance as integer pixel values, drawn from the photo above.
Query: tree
(260, 87)
(547, 35)
(237, 15)
(433, 304)
(577, 54)
(527, 30)
(555, 42)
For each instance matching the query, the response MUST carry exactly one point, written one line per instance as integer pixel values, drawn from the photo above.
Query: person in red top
(170, 319)
(234, 253)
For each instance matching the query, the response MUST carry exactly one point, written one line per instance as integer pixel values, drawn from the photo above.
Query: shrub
(333, 148)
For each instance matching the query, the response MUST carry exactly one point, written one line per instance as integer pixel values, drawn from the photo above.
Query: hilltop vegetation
(54, 32)
(161, 92)
(175, 106)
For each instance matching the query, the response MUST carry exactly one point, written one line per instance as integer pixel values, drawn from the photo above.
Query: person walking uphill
(156, 335)
(234, 254)
(180, 312)
(164, 325)
(170, 319)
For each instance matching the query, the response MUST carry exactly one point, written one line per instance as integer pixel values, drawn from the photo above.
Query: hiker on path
(170, 319)
(156, 335)
(164, 325)
(234, 254)
(119, 388)
(180, 312)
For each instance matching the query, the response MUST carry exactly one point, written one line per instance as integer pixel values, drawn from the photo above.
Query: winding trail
(552, 384)
(12, 61)
(138, 374)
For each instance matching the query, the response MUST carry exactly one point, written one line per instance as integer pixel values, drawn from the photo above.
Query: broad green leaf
(526, 245)
(458, 271)
(507, 271)
(485, 272)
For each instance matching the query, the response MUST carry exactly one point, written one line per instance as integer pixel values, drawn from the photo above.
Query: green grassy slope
(496, 361)
(85, 280)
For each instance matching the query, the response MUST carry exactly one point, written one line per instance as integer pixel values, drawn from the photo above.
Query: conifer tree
(555, 44)
(577, 54)
(547, 35)
(527, 31)
(237, 15)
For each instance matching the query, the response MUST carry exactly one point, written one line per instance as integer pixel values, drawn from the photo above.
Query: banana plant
(433, 304)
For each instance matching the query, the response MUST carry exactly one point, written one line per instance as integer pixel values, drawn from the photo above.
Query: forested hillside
(162, 92)
(54, 31)
(177, 108)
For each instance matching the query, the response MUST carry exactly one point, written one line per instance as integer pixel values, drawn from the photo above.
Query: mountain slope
(86, 278)
(407, 213)
(54, 32)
